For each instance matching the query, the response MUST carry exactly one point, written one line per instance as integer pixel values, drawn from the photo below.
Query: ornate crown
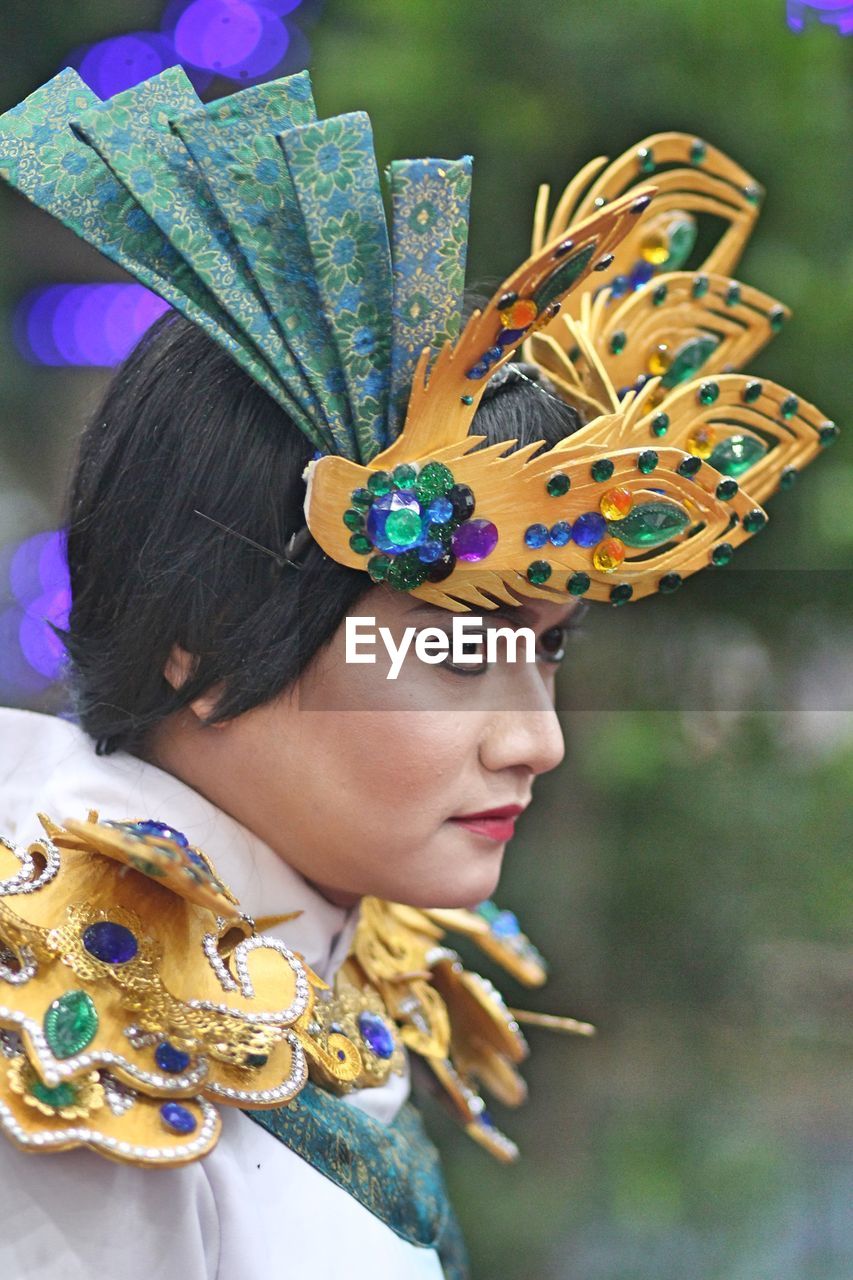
(266, 227)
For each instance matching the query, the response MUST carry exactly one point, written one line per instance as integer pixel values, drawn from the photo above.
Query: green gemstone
(361, 544)
(689, 466)
(722, 553)
(682, 238)
(828, 432)
(727, 489)
(379, 483)
(61, 1095)
(618, 341)
(70, 1023)
(708, 393)
(407, 571)
(788, 477)
(659, 295)
(602, 469)
(688, 359)
(789, 407)
(669, 582)
(378, 566)
(574, 353)
(776, 318)
(647, 461)
(578, 584)
(404, 476)
(649, 524)
(561, 280)
(433, 481)
(403, 526)
(700, 286)
(538, 571)
(361, 498)
(558, 484)
(660, 424)
(737, 454)
(353, 519)
(752, 193)
(467, 399)
(754, 520)
(645, 160)
(698, 151)
(622, 593)
(732, 295)
(752, 391)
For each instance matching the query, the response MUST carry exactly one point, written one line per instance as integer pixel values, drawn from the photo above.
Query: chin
(455, 889)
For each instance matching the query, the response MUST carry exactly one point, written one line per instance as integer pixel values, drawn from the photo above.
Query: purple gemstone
(113, 943)
(474, 540)
(178, 1118)
(376, 1034)
(589, 529)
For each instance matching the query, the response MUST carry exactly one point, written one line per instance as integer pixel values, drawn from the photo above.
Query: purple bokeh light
(112, 65)
(41, 594)
(84, 324)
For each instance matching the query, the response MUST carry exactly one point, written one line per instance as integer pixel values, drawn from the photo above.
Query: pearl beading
(281, 1093)
(293, 1011)
(23, 880)
(54, 1070)
(127, 1150)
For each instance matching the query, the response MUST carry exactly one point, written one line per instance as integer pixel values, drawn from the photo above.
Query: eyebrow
(513, 613)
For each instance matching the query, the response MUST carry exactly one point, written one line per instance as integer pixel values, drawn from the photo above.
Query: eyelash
(574, 627)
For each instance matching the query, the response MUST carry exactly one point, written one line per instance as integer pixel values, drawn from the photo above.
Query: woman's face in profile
(358, 780)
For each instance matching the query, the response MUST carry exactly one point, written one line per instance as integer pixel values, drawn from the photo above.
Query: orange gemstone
(702, 442)
(519, 314)
(659, 361)
(616, 503)
(609, 554)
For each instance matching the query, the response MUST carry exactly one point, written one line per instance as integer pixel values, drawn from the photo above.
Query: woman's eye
(553, 642)
(473, 647)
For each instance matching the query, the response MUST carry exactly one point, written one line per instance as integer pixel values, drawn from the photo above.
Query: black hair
(182, 429)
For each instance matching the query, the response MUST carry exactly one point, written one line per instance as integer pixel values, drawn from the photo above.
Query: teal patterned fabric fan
(266, 227)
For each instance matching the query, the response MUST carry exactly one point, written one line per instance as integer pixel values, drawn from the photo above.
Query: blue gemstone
(381, 509)
(197, 859)
(113, 943)
(508, 337)
(160, 829)
(178, 1118)
(170, 1059)
(486, 1119)
(619, 286)
(589, 529)
(439, 511)
(506, 925)
(561, 533)
(536, 535)
(376, 1034)
(430, 550)
(641, 274)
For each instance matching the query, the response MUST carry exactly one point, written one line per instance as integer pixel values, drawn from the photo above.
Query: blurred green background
(686, 870)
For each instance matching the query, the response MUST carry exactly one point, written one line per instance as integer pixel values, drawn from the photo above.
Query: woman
(232, 764)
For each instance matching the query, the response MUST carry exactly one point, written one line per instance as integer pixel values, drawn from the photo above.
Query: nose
(525, 736)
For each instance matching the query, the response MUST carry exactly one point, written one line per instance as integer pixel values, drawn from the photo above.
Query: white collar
(50, 765)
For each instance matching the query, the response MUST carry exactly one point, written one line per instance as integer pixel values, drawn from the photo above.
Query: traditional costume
(173, 996)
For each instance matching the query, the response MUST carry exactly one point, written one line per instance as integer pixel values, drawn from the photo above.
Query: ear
(179, 668)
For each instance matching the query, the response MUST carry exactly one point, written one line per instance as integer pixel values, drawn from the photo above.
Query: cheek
(398, 771)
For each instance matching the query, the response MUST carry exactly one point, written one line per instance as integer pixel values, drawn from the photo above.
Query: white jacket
(251, 1209)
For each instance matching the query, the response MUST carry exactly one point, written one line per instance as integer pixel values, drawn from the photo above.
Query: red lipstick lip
(506, 811)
